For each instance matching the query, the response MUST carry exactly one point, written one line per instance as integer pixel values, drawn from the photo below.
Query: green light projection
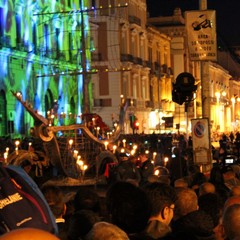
(41, 53)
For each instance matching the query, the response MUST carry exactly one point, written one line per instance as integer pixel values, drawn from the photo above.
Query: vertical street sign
(201, 141)
(201, 35)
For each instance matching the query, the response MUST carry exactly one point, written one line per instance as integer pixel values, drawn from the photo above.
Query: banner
(201, 35)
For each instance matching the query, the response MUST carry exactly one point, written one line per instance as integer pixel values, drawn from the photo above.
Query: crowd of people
(142, 201)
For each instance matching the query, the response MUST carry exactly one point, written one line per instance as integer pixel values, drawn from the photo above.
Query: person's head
(212, 204)
(132, 159)
(216, 176)
(26, 165)
(231, 201)
(162, 198)
(128, 206)
(87, 198)
(54, 196)
(160, 174)
(198, 179)
(231, 222)
(235, 191)
(106, 231)
(192, 169)
(143, 156)
(206, 187)
(28, 234)
(180, 183)
(176, 151)
(219, 230)
(187, 201)
(123, 157)
(228, 173)
(81, 223)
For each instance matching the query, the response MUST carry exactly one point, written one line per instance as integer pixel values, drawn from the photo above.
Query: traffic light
(178, 96)
(132, 119)
(134, 124)
(184, 88)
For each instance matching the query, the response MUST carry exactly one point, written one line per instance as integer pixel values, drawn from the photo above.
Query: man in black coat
(146, 167)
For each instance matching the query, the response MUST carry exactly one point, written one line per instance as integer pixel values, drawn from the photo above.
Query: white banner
(201, 34)
(201, 141)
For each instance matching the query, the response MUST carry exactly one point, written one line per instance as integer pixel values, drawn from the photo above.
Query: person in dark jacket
(146, 167)
(128, 207)
(195, 225)
(177, 165)
(127, 170)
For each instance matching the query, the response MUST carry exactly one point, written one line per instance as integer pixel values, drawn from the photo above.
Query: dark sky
(227, 14)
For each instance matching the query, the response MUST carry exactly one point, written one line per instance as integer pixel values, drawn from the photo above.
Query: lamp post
(233, 100)
(217, 94)
(205, 77)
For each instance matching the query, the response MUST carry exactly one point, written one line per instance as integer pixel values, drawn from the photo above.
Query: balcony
(147, 64)
(149, 104)
(126, 58)
(134, 19)
(138, 61)
(130, 58)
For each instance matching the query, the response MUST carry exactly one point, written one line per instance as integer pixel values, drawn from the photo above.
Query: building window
(103, 82)
(94, 3)
(34, 37)
(46, 38)
(57, 42)
(102, 41)
(18, 29)
(70, 44)
(150, 55)
(142, 50)
(1, 23)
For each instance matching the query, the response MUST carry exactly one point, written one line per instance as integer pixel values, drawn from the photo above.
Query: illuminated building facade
(223, 75)
(137, 64)
(41, 56)
(73, 57)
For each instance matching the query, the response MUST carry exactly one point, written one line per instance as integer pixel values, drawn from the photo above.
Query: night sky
(227, 14)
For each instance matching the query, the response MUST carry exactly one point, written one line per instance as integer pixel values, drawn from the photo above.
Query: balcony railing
(130, 58)
(126, 58)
